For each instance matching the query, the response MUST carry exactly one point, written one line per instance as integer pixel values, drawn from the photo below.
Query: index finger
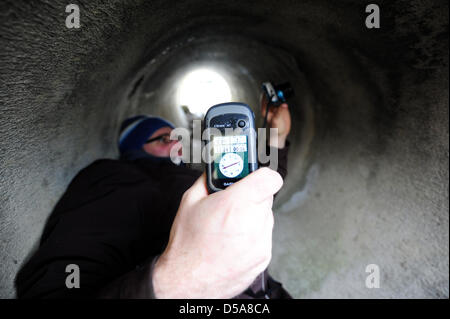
(198, 190)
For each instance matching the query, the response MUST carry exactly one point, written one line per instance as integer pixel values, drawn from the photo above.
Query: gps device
(231, 144)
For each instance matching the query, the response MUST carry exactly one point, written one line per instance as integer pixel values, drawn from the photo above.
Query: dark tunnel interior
(368, 164)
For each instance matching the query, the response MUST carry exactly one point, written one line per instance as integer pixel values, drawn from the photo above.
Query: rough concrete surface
(368, 166)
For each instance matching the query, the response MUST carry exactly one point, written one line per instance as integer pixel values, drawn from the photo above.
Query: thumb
(258, 186)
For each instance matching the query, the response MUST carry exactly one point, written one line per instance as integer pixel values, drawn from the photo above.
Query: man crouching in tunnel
(144, 227)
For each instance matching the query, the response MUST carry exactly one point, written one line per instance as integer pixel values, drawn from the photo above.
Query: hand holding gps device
(231, 145)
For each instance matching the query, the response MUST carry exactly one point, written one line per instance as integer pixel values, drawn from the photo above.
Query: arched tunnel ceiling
(368, 166)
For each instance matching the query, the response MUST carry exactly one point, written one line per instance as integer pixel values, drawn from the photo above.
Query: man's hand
(219, 243)
(280, 118)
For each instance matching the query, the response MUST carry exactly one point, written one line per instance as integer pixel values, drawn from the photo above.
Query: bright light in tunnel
(201, 89)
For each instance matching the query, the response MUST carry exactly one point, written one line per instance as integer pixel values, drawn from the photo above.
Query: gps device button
(241, 123)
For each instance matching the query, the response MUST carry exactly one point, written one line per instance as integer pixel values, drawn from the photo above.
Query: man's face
(161, 146)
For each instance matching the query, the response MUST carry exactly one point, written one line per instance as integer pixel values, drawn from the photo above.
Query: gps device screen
(230, 157)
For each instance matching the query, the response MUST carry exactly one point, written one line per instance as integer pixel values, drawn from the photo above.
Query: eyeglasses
(163, 138)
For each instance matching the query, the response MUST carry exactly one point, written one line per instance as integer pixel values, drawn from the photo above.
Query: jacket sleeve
(136, 284)
(102, 237)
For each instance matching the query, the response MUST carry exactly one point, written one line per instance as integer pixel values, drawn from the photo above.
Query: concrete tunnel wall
(368, 166)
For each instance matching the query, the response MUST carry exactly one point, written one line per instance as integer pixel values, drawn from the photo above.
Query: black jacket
(111, 222)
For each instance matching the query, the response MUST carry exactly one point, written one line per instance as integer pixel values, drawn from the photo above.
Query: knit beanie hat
(136, 130)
